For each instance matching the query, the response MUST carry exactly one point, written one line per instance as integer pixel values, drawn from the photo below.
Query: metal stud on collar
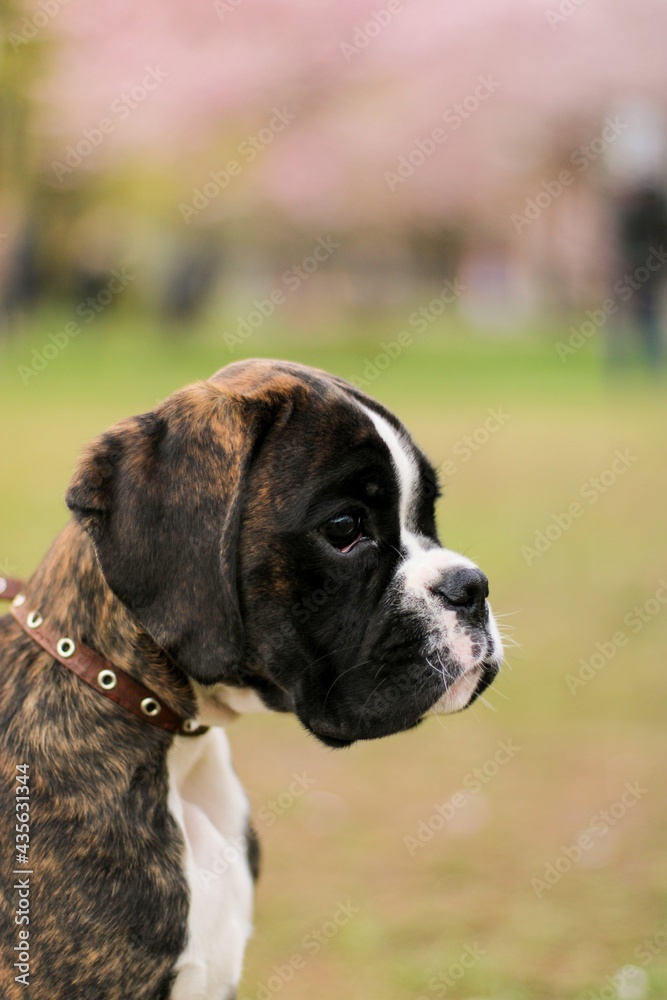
(66, 647)
(150, 706)
(190, 725)
(34, 619)
(107, 679)
(19, 600)
(3, 585)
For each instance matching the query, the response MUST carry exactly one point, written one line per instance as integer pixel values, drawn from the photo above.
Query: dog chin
(467, 688)
(329, 740)
(331, 736)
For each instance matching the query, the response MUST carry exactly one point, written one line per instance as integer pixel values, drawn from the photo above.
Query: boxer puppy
(201, 534)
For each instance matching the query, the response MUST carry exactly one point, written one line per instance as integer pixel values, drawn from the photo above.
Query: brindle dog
(199, 530)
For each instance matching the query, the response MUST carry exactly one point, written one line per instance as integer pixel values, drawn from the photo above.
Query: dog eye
(343, 531)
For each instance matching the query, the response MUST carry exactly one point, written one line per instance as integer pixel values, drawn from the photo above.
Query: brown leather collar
(10, 588)
(107, 680)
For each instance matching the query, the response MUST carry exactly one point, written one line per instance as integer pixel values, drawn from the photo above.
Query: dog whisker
(354, 666)
(440, 719)
(333, 652)
(502, 694)
(507, 639)
(445, 673)
(373, 692)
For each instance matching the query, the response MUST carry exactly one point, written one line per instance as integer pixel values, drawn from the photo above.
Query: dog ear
(161, 497)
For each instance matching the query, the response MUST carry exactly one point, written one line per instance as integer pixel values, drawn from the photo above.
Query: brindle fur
(109, 901)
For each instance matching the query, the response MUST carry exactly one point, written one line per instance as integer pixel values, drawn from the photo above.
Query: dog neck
(70, 592)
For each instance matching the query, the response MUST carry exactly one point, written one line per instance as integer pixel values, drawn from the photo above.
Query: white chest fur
(208, 803)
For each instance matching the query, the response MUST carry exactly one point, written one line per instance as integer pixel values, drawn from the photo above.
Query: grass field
(347, 906)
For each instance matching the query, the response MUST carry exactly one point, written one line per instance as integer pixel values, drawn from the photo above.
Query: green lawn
(347, 907)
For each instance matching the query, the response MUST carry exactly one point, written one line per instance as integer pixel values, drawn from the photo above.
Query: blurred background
(461, 208)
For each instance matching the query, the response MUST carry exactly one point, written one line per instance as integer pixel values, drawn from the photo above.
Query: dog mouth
(459, 695)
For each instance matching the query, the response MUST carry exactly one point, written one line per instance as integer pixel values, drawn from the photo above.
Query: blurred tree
(20, 65)
(405, 118)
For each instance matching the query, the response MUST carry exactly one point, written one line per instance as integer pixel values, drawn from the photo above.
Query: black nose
(466, 589)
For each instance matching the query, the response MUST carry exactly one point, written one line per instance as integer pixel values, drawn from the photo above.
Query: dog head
(273, 529)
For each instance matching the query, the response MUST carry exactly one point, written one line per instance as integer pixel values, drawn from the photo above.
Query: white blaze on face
(424, 564)
(407, 473)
